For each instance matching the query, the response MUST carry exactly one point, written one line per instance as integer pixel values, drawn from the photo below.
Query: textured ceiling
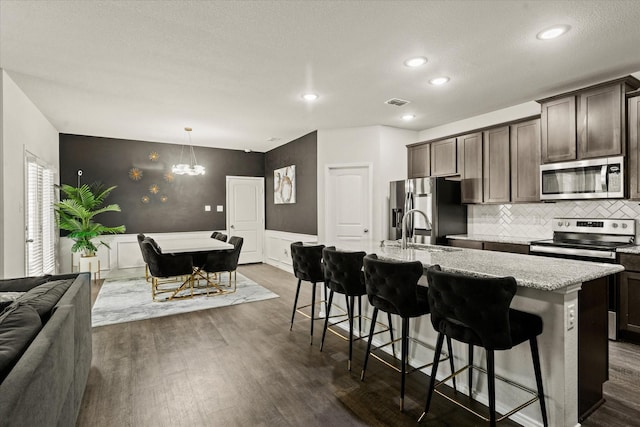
(235, 70)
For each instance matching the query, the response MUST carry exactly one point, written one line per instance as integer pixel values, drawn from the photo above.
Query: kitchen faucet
(404, 224)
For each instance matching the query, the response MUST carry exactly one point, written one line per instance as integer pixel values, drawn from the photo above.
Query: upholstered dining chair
(225, 261)
(307, 266)
(221, 236)
(392, 287)
(141, 237)
(162, 266)
(476, 311)
(214, 234)
(343, 275)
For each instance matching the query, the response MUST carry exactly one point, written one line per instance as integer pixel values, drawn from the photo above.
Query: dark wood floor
(240, 366)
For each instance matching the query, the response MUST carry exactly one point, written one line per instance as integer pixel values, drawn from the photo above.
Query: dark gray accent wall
(109, 161)
(301, 216)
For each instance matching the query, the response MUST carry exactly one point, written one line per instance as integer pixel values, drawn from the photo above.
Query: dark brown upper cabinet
(470, 167)
(586, 123)
(419, 160)
(525, 161)
(559, 130)
(496, 165)
(444, 160)
(601, 122)
(634, 147)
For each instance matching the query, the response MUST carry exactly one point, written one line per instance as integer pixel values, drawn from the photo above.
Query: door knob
(232, 226)
(366, 230)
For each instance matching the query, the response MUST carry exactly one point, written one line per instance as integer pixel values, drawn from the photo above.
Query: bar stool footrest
(498, 377)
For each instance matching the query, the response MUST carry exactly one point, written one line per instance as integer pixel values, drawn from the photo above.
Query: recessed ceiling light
(408, 117)
(439, 81)
(415, 62)
(553, 32)
(310, 96)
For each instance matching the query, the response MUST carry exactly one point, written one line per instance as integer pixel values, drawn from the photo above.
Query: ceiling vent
(397, 102)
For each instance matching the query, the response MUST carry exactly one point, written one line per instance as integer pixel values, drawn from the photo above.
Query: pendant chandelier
(193, 168)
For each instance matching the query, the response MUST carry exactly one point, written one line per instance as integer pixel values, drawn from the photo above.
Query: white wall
(381, 146)
(24, 127)
(508, 114)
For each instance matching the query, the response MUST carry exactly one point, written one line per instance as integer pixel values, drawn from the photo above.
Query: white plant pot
(89, 264)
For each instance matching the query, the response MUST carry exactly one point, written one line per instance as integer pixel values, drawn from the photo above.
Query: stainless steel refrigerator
(438, 198)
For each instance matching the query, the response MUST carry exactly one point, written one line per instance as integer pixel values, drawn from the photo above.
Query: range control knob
(559, 223)
(624, 225)
(615, 225)
(566, 223)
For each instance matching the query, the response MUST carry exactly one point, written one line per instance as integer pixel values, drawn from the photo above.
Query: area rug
(128, 300)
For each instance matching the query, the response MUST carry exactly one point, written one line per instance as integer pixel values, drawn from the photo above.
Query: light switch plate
(219, 208)
(207, 208)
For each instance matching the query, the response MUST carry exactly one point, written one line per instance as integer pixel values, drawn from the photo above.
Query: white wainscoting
(278, 247)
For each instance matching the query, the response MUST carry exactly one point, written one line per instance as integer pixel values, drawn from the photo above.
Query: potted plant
(76, 213)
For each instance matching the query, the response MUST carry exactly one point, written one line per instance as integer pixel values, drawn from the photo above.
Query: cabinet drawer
(467, 244)
(629, 261)
(513, 248)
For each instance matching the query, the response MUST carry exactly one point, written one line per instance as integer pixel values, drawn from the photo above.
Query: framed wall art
(284, 185)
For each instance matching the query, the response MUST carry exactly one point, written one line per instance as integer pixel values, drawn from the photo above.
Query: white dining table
(189, 245)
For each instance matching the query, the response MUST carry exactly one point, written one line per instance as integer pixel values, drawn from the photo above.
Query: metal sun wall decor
(136, 174)
(284, 185)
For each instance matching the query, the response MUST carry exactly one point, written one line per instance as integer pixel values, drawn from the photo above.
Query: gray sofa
(45, 384)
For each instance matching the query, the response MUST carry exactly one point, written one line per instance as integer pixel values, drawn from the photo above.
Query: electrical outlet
(219, 208)
(571, 316)
(207, 208)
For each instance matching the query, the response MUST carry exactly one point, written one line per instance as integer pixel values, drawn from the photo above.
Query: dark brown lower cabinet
(629, 298)
(630, 301)
(467, 244)
(514, 248)
(593, 345)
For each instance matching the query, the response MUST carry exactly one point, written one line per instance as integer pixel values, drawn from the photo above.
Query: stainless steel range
(590, 240)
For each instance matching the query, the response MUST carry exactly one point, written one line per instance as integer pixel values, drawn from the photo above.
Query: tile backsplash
(534, 219)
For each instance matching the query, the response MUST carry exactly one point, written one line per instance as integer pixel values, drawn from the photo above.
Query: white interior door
(245, 215)
(348, 203)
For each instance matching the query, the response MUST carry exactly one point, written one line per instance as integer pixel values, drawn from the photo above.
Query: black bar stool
(476, 311)
(343, 274)
(392, 286)
(307, 266)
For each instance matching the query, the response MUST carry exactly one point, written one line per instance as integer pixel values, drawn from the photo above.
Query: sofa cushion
(22, 284)
(19, 325)
(44, 297)
(6, 298)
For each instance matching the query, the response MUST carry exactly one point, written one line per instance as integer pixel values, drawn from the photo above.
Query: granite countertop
(629, 250)
(544, 273)
(497, 239)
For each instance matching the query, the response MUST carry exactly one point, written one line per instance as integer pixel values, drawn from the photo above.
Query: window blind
(40, 218)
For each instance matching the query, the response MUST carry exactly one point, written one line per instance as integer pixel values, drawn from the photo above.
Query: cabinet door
(634, 147)
(470, 167)
(600, 122)
(419, 162)
(630, 301)
(525, 161)
(559, 130)
(496, 166)
(444, 158)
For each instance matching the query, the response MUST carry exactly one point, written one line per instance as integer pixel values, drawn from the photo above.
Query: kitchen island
(570, 296)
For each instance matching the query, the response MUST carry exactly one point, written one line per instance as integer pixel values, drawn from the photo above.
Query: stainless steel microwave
(583, 179)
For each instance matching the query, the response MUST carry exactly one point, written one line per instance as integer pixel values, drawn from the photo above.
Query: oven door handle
(573, 252)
